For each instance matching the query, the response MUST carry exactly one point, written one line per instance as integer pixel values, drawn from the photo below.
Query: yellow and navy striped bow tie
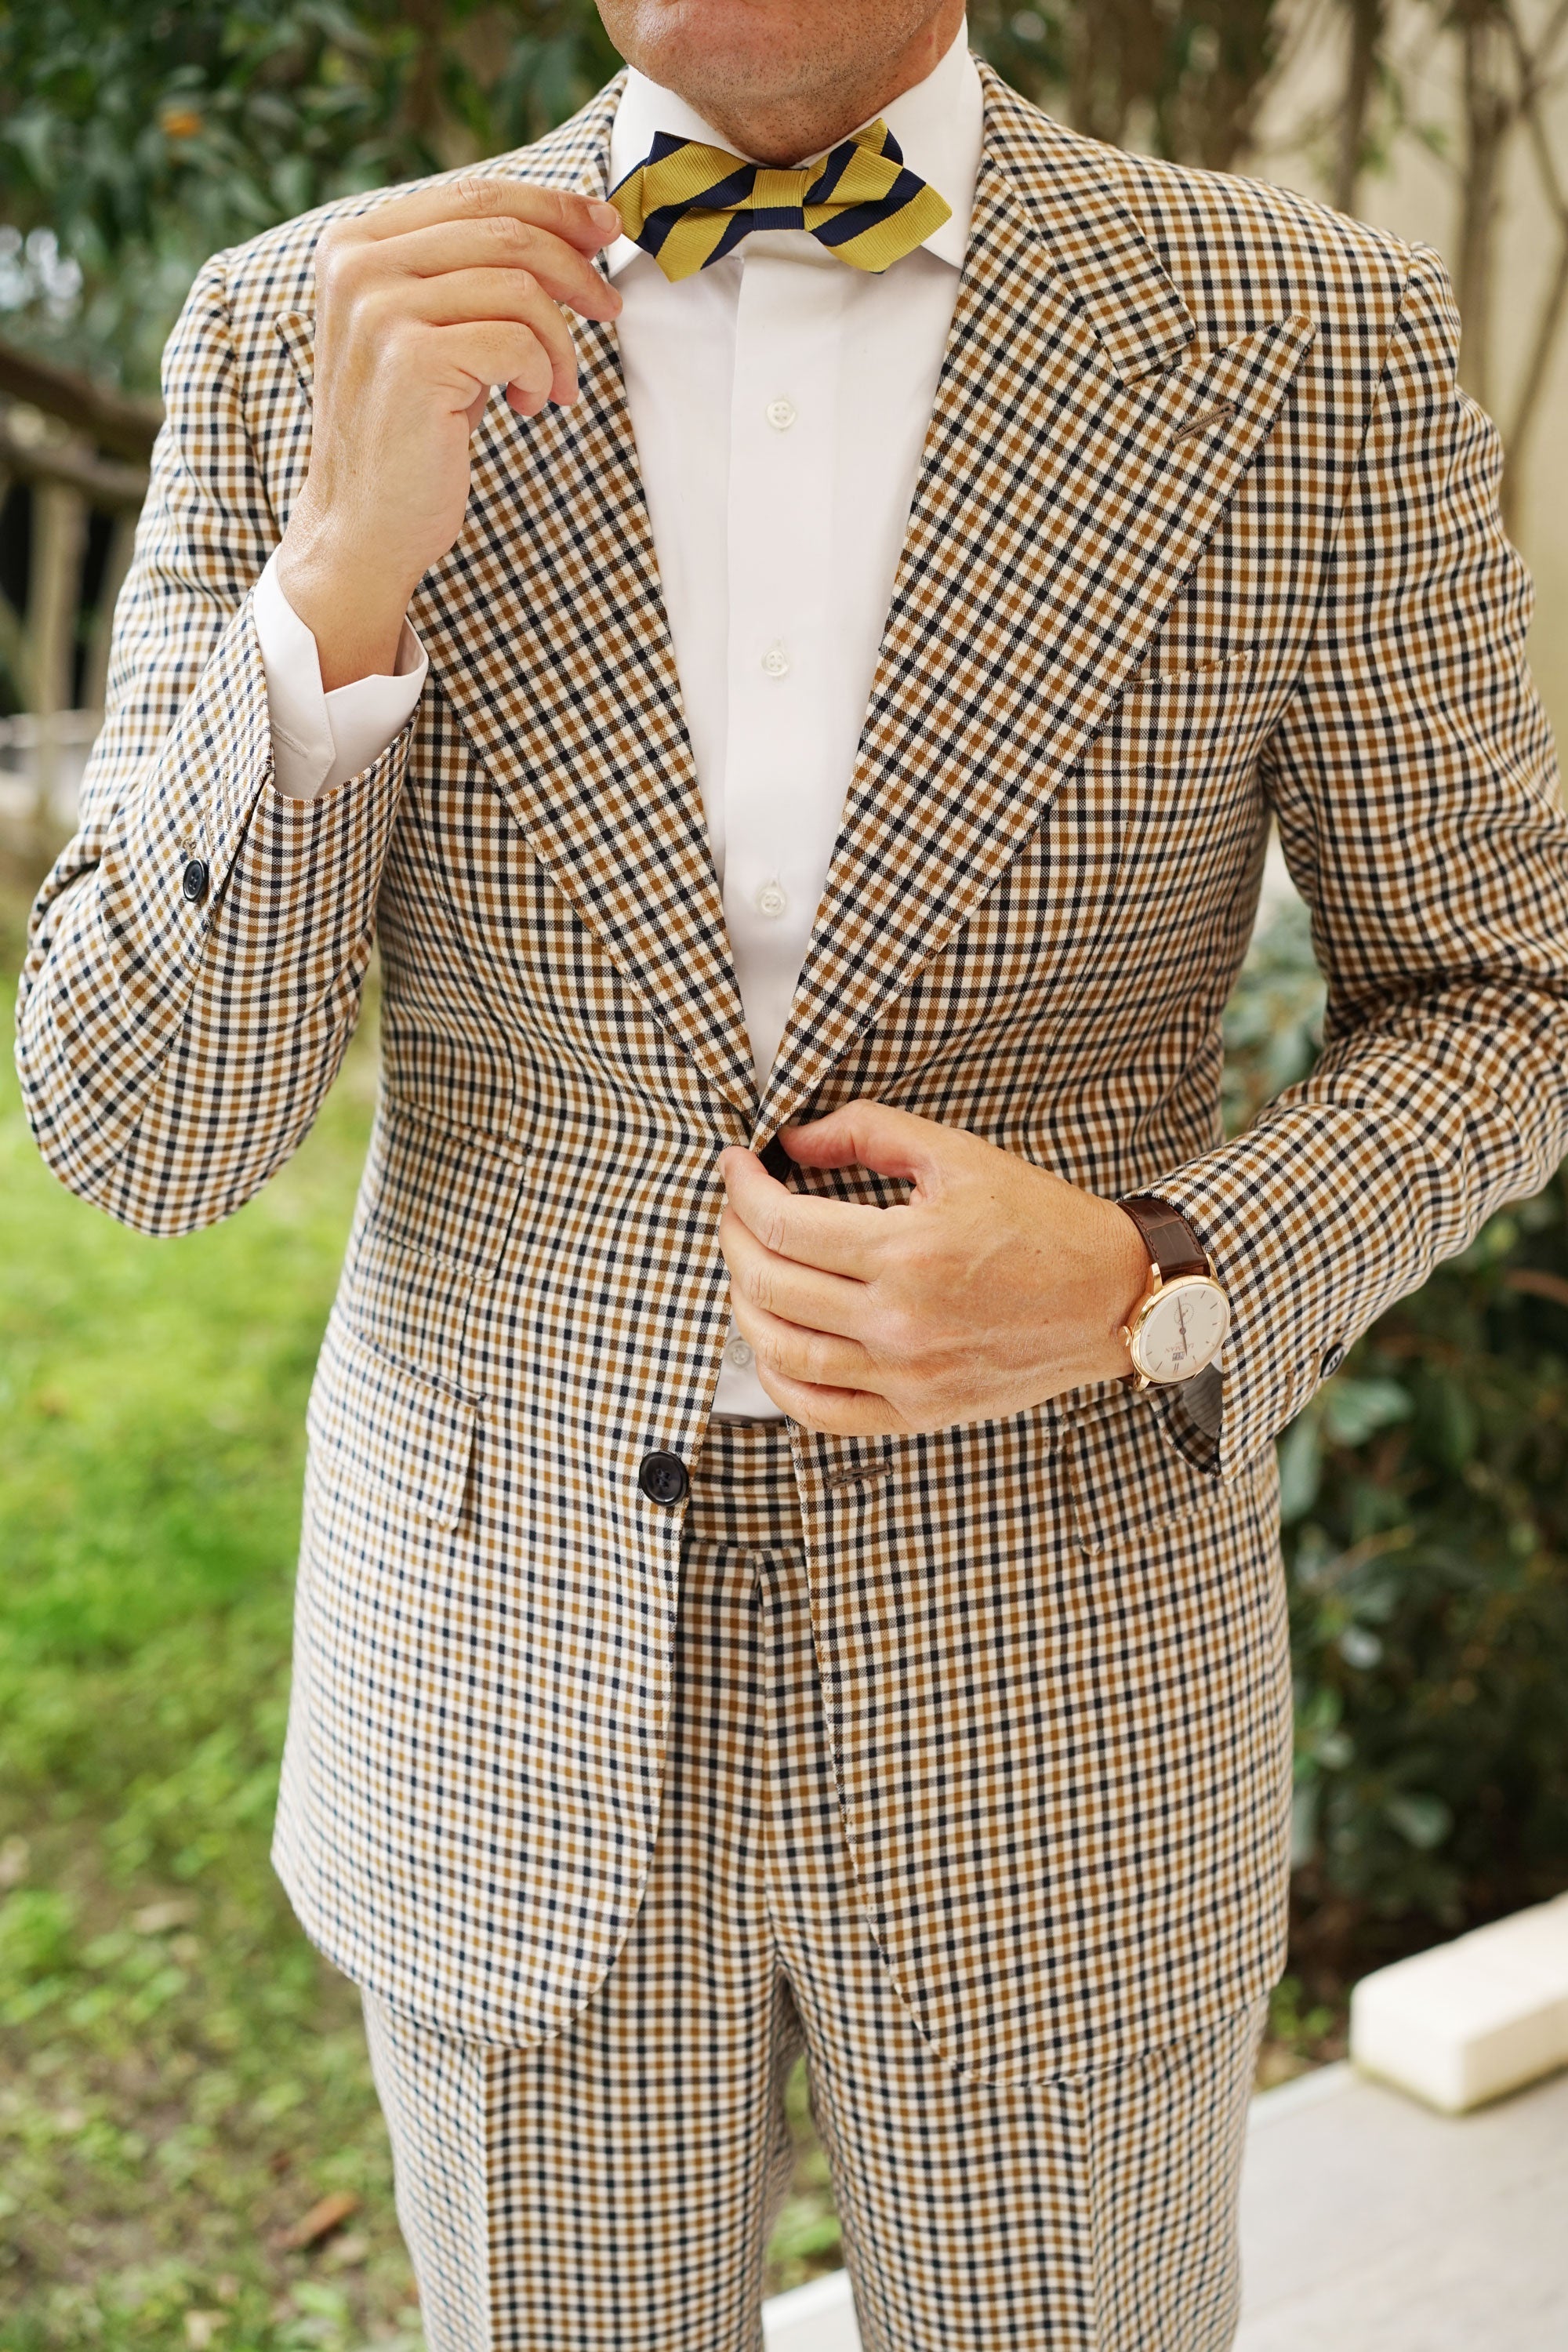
(689, 206)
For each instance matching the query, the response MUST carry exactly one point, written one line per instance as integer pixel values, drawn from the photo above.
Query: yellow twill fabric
(689, 204)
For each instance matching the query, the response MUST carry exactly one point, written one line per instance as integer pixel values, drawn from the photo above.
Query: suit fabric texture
(617, 2184)
(1203, 533)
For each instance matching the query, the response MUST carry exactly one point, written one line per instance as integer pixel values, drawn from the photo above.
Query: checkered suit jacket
(1204, 532)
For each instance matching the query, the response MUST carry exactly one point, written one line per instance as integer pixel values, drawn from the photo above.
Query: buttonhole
(863, 1473)
(1216, 415)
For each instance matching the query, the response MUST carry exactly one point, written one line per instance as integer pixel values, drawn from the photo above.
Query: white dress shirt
(780, 401)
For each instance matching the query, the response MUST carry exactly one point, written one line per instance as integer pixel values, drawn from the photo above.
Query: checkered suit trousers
(615, 2186)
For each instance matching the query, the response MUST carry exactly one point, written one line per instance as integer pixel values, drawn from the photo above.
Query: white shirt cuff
(320, 740)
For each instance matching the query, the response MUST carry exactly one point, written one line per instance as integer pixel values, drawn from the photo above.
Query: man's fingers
(838, 1236)
(481, 298)
(820, 1358)
(498, 241)
(494, 352)
(781, 1285)
(840, 1412)
(588, 222)
(869, 1135)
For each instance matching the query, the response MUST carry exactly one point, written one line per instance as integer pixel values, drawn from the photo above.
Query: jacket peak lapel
(1060, 506)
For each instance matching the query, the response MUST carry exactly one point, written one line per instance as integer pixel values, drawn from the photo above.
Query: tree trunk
(53, 594)
(1527, 409)
(1488, 105)
(1367, 31)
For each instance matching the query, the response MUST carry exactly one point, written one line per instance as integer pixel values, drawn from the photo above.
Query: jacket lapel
(1082, 449)
(546, 632)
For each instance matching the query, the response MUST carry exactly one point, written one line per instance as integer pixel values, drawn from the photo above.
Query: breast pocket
(1179, 753)
(1172, 780)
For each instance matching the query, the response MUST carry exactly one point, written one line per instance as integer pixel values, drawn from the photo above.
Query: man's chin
(727, 50)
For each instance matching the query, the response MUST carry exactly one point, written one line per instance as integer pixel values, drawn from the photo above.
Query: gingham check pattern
(688, 205)
(1204, 529)
(616, 2186)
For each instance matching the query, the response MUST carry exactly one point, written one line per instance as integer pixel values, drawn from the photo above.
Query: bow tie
(688, 205)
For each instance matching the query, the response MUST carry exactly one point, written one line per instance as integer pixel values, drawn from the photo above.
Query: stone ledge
(1471, 2020)
(816, 2317)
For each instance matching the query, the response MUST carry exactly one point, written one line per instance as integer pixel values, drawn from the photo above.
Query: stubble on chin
(788, 68)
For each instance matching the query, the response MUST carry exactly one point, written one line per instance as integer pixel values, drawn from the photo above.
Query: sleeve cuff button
(1332, 1358)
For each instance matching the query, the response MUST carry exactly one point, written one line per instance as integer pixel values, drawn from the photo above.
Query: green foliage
(138, 138)
(1425, 1493)
(180, 2077)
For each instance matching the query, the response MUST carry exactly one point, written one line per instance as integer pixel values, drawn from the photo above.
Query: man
(795, 669)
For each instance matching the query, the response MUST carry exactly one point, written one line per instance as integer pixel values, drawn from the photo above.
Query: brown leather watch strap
(1167, 1236)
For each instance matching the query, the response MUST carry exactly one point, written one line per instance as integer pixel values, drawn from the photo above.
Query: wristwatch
(1178, 1327)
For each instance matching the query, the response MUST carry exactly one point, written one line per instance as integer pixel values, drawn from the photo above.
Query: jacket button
(194, 880)
(1333, 1357)
(662, 1477)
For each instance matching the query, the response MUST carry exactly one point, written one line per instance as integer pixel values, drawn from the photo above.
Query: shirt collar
(939, 124)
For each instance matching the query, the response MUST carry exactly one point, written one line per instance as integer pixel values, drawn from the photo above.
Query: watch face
(1183, 1329)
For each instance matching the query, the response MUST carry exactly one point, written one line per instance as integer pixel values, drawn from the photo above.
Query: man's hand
(422, 303)
(994, 1286)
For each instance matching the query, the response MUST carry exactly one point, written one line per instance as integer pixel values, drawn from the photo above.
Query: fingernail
(606, 218)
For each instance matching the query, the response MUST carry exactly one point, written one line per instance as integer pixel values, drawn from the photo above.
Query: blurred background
(190, 2154)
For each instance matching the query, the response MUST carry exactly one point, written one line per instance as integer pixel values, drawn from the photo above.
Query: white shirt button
(738, 1353)
(771, 899)
(776, 661)
(781, 414)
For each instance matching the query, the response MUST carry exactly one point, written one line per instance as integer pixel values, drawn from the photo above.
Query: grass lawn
(182, 2081)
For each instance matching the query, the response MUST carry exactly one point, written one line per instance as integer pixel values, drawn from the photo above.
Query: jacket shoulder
(1242, 252)
(1234, 244)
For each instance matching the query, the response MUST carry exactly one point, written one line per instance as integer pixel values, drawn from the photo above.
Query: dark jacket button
(193, 881)
(662, 1477)
(1333, 1357)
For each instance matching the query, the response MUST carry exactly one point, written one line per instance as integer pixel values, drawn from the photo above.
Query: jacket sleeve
(174, 1048)
(1419, 810)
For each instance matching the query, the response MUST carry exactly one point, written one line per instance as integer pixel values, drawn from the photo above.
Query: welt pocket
(389, 1434)
(1210, 719)
(1219, 673)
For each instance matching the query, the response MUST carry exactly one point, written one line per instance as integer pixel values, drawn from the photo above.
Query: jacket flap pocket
(1127, 1475)
(391, 1429)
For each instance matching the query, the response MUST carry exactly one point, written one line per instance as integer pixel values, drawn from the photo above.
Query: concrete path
(1368, 2224)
